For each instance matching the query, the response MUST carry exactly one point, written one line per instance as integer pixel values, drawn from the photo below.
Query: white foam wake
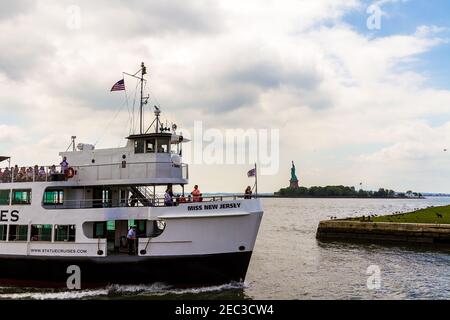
(62, 295)
(163, 289)
(156, 289)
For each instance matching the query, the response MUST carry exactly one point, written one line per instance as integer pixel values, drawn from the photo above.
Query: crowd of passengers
(25, 174)
(36, 173)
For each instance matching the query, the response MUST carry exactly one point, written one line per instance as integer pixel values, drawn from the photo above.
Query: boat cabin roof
(174, 138)
(149, 135)
(3, 158)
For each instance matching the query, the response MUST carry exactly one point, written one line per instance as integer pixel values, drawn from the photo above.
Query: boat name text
(214, 206)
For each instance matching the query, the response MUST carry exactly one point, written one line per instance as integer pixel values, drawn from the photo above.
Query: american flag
(251, 173)
(119, 85)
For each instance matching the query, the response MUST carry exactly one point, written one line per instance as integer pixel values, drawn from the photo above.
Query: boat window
(139, 146)
(163, 145)
(3, 229)
(141, 228)
(54, 197)
(100, 229)
(4, 197)
(106, 198)
(41, 232)
(150, 146)
(65, 233)
(18, 232)
(111, 225)
(158, 228)
(21, 196)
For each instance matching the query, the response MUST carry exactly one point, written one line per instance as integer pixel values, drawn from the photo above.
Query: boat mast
(143, 100)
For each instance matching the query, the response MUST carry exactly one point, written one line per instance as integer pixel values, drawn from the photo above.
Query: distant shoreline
(337, 197)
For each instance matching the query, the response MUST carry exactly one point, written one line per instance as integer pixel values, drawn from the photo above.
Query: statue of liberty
(294, 180)
(293, 175)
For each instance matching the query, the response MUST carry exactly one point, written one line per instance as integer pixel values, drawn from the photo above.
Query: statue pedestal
(293, 184)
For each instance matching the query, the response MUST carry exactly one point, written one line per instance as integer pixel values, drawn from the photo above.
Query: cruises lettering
(7, 216)
(215, 206)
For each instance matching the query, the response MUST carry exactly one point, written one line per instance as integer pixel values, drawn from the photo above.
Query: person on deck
(22, 175)
(36, 172)
(53, 170)
(29, 174)
(248, 193)
(168, 197)
(131, 239)
(133, 200)
(64, 165)
(196, 194)
(42, 173)
(6, 175)
(15, 172)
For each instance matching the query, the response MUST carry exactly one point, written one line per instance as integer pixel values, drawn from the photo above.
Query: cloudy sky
(359, 90)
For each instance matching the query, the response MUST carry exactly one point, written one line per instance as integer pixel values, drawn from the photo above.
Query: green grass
(428, 215)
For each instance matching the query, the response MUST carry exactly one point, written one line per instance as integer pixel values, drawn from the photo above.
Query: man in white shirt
(131, 239)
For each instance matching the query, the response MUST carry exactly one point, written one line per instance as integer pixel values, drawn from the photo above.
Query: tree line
(339, 191)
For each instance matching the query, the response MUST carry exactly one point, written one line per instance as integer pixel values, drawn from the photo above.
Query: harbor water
(289, 263)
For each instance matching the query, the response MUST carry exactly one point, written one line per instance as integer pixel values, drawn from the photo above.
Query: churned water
(289, 263)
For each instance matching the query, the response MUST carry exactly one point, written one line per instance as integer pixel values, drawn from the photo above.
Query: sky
(354, 92)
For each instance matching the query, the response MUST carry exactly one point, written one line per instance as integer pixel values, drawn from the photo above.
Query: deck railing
(115, 171)
(139, 202)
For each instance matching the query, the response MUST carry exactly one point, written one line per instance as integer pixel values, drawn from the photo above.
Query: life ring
(70, 173)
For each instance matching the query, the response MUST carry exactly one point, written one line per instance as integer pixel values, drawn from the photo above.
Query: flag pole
(141, 115)
(143, 72)
(256, 182)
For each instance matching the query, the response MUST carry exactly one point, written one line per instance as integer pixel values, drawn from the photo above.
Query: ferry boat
(54, 219)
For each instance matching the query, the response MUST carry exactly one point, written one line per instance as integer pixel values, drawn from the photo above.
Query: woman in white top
(168, 200)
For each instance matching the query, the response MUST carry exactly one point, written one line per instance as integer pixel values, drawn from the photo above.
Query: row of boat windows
(65, 233)
(38, 232)
(23, 197)
(16, 196)
(152, 145)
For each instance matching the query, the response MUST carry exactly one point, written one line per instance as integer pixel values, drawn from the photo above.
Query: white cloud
(9, 133)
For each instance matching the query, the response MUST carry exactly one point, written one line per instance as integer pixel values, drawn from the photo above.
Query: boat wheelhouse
(80, 214)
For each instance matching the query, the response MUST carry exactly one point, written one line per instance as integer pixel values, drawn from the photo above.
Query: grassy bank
(430, 226)
(440, 215)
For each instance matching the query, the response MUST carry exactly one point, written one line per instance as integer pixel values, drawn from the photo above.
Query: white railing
(115, 171)
(140, 202)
